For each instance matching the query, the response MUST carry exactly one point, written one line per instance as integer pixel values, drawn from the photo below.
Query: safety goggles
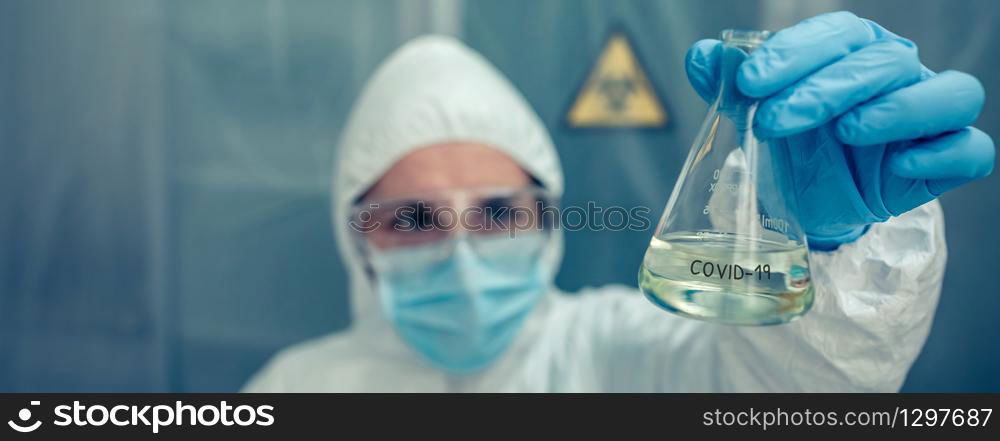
(431, 222)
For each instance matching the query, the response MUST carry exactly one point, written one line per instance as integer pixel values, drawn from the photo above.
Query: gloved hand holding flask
(872, 133)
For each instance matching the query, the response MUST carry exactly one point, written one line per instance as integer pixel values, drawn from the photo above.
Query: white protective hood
(431, 90)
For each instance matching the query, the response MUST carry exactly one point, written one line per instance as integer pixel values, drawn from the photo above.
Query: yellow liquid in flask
(727, 279)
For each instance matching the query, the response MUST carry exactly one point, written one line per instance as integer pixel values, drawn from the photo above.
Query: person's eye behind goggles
(432, 222)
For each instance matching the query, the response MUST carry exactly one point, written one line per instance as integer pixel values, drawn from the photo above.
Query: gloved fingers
(876, 69)
(947, 161)
(800, 50)
(945, 102)
(702, 66)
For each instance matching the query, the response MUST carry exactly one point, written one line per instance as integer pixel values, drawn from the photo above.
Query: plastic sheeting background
(164, 169)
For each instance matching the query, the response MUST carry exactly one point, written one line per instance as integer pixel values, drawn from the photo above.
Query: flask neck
(737, 47)
(730, 100)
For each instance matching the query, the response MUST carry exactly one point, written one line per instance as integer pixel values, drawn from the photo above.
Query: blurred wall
(165, 167)
(83, 192)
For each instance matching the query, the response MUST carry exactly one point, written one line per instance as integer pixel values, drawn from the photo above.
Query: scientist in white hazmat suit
(463, 310)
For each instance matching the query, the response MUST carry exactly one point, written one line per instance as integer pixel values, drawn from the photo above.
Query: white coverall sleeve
(875, 301)
(267, 380)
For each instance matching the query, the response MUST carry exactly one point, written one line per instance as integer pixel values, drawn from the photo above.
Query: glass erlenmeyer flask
(729, 247)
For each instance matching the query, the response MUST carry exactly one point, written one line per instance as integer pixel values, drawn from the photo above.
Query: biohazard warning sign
(617, 93)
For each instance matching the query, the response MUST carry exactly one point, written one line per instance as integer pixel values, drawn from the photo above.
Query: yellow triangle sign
(617, 92)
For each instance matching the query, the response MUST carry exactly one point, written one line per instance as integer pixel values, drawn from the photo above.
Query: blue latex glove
(872, 133)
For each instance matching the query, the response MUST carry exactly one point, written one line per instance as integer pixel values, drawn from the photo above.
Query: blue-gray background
(164, 169)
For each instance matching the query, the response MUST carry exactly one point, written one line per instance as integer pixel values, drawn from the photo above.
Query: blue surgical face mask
(461, 312)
